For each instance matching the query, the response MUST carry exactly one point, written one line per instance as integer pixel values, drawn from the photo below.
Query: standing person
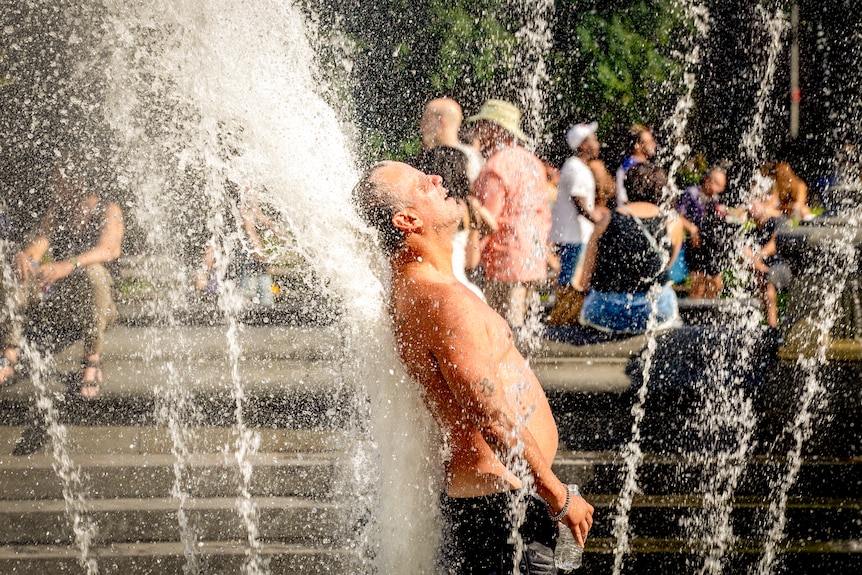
(772, 273)
(704, 245)
(442, 154)
(499, 432)
(73, 292)
(575, 208)
(643, 149)
(513, 187)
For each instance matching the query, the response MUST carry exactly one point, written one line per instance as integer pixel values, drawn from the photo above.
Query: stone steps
(287, 520)
(214, 557)
(295, 401)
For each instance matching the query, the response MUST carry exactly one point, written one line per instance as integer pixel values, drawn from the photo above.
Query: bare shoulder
(440, 310)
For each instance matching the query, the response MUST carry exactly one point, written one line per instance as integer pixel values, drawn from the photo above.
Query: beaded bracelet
(559, 516)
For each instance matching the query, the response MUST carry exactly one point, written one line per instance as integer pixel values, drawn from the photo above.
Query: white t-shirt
(568, 225)
(475, 161)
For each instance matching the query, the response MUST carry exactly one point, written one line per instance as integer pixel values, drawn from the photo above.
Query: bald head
(714, 182)
(440, 123)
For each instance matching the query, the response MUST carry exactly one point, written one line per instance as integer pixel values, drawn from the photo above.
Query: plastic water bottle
(569, 554)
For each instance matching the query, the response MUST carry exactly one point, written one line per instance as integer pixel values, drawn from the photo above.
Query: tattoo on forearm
(487, 387)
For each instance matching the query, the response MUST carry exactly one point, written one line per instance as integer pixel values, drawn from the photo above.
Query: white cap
(579, 132)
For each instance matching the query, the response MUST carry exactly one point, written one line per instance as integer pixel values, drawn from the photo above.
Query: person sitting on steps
(74, 291)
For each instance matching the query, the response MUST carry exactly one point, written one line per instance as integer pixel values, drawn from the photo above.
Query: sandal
(94, 384)
(14, 371)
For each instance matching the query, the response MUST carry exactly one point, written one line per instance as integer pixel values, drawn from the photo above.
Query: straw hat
(502, 113)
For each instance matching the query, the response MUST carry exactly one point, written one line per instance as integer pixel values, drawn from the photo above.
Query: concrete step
(825, 503)
(137, 461)
(214, 557)
(650, 556)
(288, 520)
(291, 376)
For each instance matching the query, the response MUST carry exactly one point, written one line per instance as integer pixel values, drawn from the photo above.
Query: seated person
(252, 259)
(74, 291)
(701, 219)
(789, 194)
(630, 250)
(773, 275)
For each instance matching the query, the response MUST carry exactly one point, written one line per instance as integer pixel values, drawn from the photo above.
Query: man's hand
(23, 266)
(694, 236)
(579, 519)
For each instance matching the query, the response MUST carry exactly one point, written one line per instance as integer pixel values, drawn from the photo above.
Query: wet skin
(491, 408)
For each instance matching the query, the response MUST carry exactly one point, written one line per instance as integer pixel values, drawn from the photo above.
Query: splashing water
(40, 366)
(677, 123)
(841, 258)
(192, 95)
(725, 417)
(533, 40)
(775, 26)
(632, 453)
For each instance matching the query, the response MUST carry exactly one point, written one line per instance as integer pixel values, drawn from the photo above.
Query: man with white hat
(575, 208)
(513, 187)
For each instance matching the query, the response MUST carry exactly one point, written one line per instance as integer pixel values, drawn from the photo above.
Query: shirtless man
(500, 434)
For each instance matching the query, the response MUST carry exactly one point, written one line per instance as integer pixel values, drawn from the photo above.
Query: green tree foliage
(609, 61)
(614, 62)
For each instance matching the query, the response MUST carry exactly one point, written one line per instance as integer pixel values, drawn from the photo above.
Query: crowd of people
(602, 240)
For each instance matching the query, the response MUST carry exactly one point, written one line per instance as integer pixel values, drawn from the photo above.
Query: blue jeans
(627, 312)
(570, 255)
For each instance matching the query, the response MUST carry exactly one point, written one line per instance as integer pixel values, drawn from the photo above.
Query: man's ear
(406, 222)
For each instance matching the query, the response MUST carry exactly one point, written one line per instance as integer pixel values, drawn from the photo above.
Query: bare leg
(91, 379)
(714, 285)
(770, 300)
(698, 285)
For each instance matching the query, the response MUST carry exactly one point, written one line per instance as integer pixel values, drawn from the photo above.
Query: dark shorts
(570, 255)
(477, 532)
(703, 259)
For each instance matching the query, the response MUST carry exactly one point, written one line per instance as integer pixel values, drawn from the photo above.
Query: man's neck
(411, 257)
(488, 152)
(448, 140)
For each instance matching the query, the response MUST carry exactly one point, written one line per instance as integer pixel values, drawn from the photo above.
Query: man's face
(424, 194)
(590, 147)
(647, 144)
(714, 184)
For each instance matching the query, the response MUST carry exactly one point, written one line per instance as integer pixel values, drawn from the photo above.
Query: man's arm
(592, 252)
(490, 192)
(483, 370)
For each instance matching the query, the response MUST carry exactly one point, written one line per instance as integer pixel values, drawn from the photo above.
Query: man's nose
(436, 180)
